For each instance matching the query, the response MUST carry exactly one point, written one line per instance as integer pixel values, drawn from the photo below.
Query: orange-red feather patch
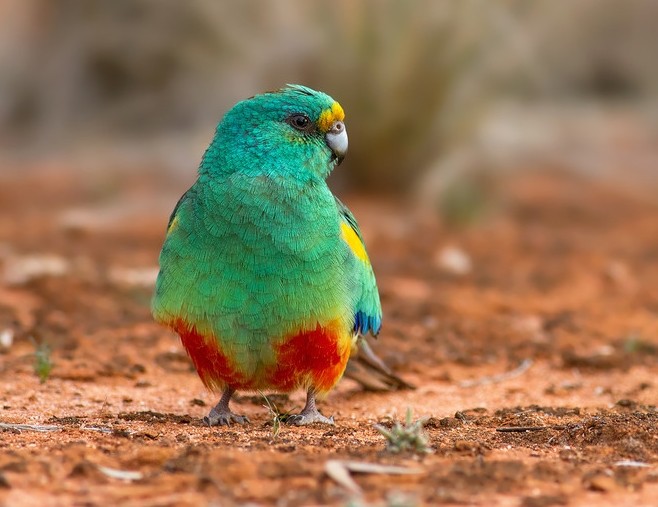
(319, 355)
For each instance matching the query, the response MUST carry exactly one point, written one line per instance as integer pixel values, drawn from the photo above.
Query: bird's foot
(309, 417)
(224, 417)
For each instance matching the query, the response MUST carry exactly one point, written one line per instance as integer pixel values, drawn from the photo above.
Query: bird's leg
(310, 414)
(221, 415)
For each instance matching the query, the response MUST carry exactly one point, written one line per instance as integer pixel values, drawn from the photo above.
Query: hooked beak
(336, 139)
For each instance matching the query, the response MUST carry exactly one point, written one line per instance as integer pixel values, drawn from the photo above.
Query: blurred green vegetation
(415, 77)
(464, 202)
(43, 363)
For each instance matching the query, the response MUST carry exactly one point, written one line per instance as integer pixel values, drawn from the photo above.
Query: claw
(221, 415)
(224, 418)
(310, 414)
(303, 419)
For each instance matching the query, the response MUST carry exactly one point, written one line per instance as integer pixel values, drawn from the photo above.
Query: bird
(264, 274)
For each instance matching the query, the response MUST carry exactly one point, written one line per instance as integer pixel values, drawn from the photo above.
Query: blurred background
(503, 167)
(439, 95)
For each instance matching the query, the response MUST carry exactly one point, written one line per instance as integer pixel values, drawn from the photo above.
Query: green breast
(251, 259)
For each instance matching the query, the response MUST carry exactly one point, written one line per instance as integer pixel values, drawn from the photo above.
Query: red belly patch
(212, 365)
(318, 356)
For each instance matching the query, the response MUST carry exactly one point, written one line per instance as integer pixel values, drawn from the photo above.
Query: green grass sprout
(43, 363)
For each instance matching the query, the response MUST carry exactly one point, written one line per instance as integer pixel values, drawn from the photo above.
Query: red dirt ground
(564, 277)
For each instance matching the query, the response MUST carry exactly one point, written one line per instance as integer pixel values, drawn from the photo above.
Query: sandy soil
(555, 328)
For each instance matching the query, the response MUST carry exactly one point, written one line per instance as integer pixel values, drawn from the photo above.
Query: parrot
(263, 273)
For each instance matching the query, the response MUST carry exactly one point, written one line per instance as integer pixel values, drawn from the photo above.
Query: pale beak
(336, 139)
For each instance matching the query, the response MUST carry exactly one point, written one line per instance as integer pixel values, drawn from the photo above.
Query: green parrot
(263, 272)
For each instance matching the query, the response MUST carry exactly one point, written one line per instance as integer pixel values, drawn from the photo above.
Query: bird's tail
(366, 368)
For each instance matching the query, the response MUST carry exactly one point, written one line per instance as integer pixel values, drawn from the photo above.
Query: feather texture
(257, 274)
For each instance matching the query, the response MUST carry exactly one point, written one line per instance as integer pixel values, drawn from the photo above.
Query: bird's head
(292, 131)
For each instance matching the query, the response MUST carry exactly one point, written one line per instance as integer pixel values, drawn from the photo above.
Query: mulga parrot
(263, 272)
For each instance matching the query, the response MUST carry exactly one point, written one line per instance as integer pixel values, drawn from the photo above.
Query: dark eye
(300, 122)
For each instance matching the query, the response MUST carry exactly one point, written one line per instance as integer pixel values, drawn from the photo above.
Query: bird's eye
(300, 122)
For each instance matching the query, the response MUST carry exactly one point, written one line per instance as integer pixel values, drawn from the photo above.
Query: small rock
(134, 277)
(6, 338)
(626, 403)
(21, 270)
(445, 422)
(454, 260)
(601, 482)
(466, 446)
(182, 438)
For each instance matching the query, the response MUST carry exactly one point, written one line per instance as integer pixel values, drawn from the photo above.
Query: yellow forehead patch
(352, 239)
(329, 116)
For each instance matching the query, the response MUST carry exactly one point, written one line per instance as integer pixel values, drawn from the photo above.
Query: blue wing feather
(365, 323)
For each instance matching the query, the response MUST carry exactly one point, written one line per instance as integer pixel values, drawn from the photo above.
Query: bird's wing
(174, 214)
(368, 309)
(365, 366)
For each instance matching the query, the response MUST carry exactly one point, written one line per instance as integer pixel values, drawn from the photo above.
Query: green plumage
(255, 251)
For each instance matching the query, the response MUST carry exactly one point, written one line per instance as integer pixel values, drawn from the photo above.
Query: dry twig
(340, 470)
(28, 427)
(523, 429)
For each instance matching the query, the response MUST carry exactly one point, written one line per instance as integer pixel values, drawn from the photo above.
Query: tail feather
(366, 368)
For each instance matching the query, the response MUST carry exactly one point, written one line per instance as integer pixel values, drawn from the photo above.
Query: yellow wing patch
(352, 239)
(172, 226)
(329, 116)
